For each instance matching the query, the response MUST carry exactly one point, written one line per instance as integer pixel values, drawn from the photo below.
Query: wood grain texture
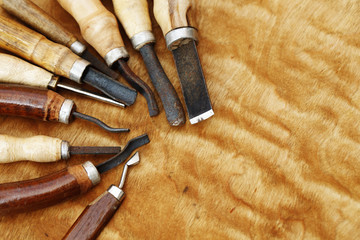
(28, 102)
(36, 148)
(280, 158)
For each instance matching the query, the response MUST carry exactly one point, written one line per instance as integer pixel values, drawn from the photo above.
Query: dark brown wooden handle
(94, 218)
(38, 19)
(30, 103)
(45, 191)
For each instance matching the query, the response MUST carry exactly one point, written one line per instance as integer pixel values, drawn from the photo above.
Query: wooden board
(280, 158)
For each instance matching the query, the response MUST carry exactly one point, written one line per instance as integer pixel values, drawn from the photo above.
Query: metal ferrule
(116, 54)
(116, 192)
(92, 172)
(65, 111)
(77, 47)
(142, 38)
(179, 36)
(78, 69)
(65, 153)
(53, 82)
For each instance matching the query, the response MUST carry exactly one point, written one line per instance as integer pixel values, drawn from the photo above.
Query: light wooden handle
(38, 19)
(133, 15)
(171, 14)
(17, 71)
(34, 47)
(37, 149)
(98, 26)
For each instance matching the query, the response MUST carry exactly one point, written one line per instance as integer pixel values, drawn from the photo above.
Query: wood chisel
(45, 191)
(134, 16)
(181, 40)
(17, 71)
(44, 105)
(97, 214)
(58, 59)
(100, 29)
(44, 149)
(38, 19)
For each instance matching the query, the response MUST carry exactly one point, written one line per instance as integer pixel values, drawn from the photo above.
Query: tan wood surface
(280, 158)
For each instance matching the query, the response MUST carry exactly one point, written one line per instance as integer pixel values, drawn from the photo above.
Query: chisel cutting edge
(51, 189)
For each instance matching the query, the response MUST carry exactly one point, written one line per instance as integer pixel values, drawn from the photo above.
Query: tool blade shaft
(94, 150)
(192, 82)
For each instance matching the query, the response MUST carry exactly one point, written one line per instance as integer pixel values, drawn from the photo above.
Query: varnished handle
(37, 149)
(34, 47)
(17, 71)
(171, 14)
(94, 218)
(45, 191)
(98, 26)
(31, 103)
(38, 19)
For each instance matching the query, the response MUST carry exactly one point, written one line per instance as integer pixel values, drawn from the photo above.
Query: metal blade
(99, 65)
(192, 81)
(124, 154)
(93, 150)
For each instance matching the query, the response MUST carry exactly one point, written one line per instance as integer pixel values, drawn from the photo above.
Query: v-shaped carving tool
(97, 214)
(100, 29)
(39, 20)
(17, 71)
(58, 59)
(180, 39)
(45, 191)
(43, 105)
(134, 16)
(44, 149)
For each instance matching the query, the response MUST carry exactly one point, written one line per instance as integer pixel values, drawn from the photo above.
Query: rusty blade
(94, 150)
(192, 81)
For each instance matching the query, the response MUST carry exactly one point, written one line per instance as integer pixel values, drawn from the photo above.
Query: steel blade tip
(202, 117)
(135, 159)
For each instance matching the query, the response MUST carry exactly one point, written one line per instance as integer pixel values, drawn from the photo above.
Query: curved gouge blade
(169, 98)
(124, 154)
(134, 160)
(192, 81)
(93, 150)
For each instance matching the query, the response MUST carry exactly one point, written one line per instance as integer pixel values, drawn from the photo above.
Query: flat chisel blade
(93, 150)
(192, 81)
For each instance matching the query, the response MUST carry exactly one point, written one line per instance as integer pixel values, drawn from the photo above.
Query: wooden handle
(37, 148)
(17, 71)
(133, 15)
(34, 47)
(38, 19)
(45, 191)
(98, 26)
(171, 14)
(94, 218)
(30, 103)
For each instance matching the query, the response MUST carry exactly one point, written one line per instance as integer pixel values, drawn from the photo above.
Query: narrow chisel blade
(94, 150)
(192, 81)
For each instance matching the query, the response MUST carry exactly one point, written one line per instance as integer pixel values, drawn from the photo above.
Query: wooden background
(280, 158)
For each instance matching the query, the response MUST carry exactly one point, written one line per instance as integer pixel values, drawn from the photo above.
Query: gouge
(44, 149)
(134, 16)
(17, 71)
(180, 39)
(97, 214)
(59, 59)
(39, 20)
(99, 28)
(51, 189)
(43, 105)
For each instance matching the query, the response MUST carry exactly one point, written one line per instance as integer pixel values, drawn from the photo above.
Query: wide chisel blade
(192, 81)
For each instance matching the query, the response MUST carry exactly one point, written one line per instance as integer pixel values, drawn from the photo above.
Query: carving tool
(51, 189)
(180, 39)
(44, 149)
(39, 20)
(99, 28)
(43, 105)
(134, 16)
(97, 214)
(17, 71)
(59, 59)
